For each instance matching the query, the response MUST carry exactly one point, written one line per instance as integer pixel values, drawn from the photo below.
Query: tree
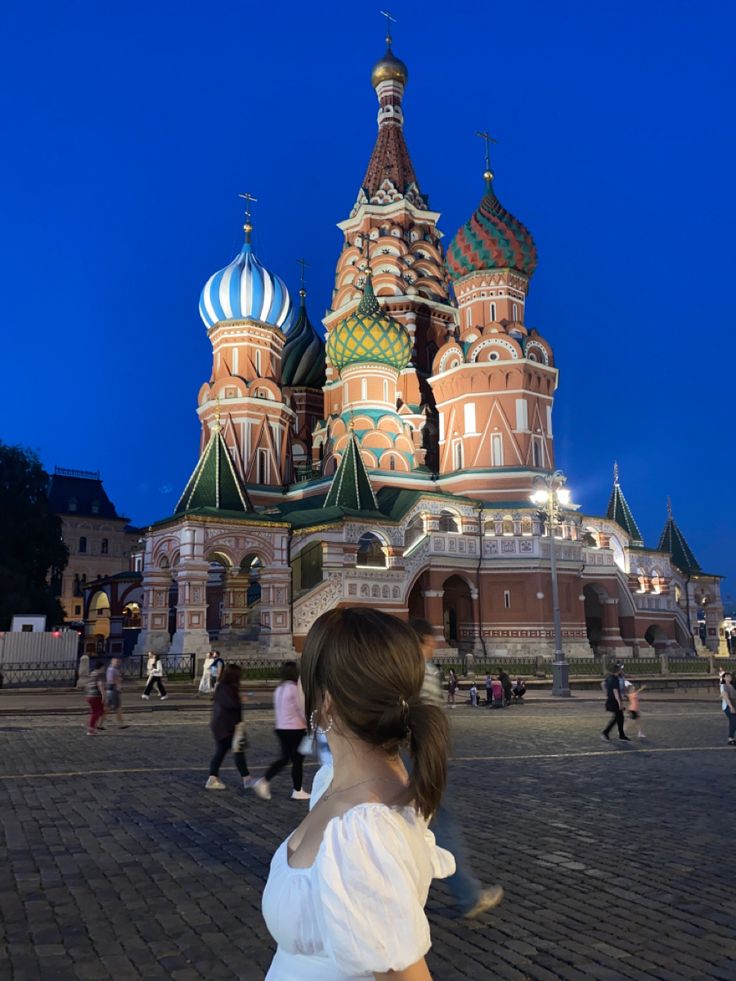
(32, 553)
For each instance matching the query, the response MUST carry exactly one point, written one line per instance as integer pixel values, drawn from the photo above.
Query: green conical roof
(351, 487)
(214, 483)
(620, 512)
(673, 541)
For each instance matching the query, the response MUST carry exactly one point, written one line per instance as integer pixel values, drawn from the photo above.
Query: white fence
(38, 648)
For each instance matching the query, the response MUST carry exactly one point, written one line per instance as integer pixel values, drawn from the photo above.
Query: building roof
(351, 487)
(492, 239)
(303, 356)
(370, 334)
(80, 492)
(215, 483)
(673, 541)
(619, 511)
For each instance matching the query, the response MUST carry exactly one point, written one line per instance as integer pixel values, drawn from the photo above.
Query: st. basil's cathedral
(392, 462)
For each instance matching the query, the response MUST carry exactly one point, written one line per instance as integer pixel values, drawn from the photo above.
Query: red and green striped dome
(492, 239)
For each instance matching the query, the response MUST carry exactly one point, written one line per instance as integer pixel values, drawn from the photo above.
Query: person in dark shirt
(227, 728)
(614, 703)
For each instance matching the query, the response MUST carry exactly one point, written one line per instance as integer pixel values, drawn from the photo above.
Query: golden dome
(389, 68)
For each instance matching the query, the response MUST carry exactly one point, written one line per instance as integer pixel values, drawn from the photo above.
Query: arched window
(449, 522)
(82, 544)
(493, 312)
(515, 311)
(370, 551)
(104, 546)
(507, 525)
(385, 390)
(414, 532)
(364, 388)
(258, 363)
(457, 455)
(526, 525)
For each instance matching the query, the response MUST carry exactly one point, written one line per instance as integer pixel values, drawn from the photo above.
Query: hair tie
(404, 706)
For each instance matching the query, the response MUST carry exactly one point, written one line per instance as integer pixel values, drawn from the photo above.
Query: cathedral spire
(620, 512)
(351, 486)
(390, 174)
(673, 541)
(215, 484)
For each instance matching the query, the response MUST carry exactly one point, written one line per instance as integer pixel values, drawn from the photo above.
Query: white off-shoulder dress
(359, 909)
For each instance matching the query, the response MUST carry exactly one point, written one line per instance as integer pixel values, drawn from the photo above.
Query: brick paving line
(647, 751)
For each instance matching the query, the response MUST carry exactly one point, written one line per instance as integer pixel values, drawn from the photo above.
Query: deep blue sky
(130, 128)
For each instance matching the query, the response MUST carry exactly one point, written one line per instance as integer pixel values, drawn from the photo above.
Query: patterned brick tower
(392, 233)
(494, 382)
(247, 311)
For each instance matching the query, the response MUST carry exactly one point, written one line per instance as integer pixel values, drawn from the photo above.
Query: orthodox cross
(248, 226)
(669, 508)
(304, 265)
(615, 472)
(389, 21)
(487, 139)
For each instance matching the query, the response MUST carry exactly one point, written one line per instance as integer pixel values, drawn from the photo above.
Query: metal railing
(257, 668)
(38, 674)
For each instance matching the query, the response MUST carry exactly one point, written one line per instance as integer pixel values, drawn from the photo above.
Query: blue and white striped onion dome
(245, 290)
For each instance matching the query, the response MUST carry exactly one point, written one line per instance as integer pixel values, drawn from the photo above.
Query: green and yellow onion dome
(369, 335)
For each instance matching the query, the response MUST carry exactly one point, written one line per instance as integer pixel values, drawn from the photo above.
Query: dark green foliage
(32, 552)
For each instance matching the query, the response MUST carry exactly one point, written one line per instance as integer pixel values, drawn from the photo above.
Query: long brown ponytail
(371, 664)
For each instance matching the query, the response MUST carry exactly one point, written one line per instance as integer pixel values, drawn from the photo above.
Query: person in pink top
(291, 728)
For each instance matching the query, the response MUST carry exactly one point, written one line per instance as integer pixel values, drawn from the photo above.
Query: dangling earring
(317, 728)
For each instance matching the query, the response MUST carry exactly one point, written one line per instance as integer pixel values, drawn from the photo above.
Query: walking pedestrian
(728, 704)
(94, 690)
(155, 671)
(205, 682)
(470, 895)
(451, 687)
(114, 691)
(228, 728)
(291, 727)
(346, 891)
(489, 690)
(632, 696)
(216, 669)
(614, 703)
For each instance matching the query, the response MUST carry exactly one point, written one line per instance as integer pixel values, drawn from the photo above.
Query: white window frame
(496, 450)
(522, 416)
(469, 419)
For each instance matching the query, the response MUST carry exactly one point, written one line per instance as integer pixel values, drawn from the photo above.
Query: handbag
(240, 739)
(307, 746)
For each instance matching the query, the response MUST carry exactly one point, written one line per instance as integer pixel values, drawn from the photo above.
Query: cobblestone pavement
(617, 859)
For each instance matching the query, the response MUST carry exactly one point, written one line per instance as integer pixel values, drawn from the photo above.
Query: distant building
(100, 541)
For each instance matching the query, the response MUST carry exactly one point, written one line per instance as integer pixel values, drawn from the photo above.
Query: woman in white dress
(205, 685)
(346, 891)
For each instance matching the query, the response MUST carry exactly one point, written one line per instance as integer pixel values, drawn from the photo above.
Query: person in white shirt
(346, 891)
(155, 677)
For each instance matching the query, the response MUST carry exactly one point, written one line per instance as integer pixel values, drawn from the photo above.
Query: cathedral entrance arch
(218, 567)
(416, 599)
(595, 597)
(656, 637)
(457, 610)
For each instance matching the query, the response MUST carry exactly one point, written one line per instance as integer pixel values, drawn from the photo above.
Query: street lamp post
(553, 496)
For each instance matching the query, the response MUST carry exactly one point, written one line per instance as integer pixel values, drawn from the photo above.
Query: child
(474, 696)
(633, 697)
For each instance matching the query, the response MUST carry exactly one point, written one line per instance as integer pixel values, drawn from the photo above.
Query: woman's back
(358, 907)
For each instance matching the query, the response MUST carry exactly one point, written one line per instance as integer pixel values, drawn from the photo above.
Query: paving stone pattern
(617, 859)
